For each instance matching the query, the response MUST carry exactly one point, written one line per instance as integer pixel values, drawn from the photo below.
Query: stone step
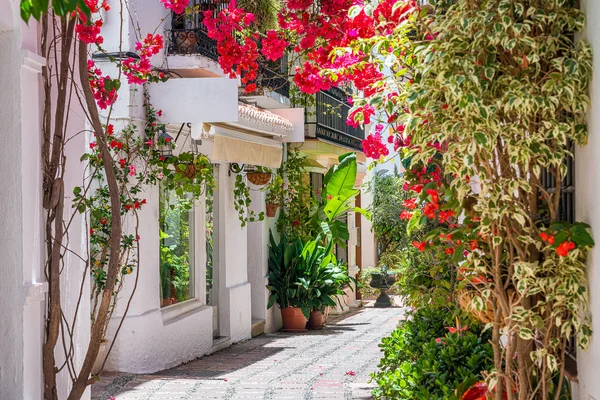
(258, 327)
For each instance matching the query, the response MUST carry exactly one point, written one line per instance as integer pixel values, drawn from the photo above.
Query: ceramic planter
(96, 368)
(316, 321)
(293, 319)
(272, 210)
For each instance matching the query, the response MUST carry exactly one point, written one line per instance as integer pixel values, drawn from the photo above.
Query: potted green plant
(274, 195)
(284, 271)
(323, 278)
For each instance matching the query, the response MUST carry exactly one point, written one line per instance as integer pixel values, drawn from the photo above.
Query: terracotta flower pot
(272, 210)
(316, 321)
(293, 319)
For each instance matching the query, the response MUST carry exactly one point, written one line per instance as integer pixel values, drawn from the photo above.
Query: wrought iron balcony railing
(192, 41)
(329, 123)
(188, 35)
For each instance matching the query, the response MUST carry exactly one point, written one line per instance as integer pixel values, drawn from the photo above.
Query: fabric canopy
(235, 146)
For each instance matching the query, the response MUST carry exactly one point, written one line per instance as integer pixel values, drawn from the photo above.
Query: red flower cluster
(104, 97)
(177, 6)
(564, 248)
(405, 214)
(373, 147)
(419, 245)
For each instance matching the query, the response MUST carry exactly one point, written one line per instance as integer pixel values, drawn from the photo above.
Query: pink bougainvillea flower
(350, 373)
(177, 6)
(373, 147)
(273, 46)
(132, 170)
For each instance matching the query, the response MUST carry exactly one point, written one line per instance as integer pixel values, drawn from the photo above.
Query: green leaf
(581, 236)
(341, 182)
(480, 138)
(414, 222)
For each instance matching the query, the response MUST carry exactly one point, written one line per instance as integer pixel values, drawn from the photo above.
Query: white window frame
(197, 266)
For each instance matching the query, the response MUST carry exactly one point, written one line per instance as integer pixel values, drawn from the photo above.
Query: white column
(588, 209)
(235, 311)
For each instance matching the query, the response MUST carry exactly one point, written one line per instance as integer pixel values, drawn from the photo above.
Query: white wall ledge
(176, 312)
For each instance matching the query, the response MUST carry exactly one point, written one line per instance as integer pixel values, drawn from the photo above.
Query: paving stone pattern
(331, 364)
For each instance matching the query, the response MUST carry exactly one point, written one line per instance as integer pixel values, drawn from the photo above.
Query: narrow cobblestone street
(331, 364)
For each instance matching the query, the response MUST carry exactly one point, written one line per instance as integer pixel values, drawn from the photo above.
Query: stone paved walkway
(331, 364)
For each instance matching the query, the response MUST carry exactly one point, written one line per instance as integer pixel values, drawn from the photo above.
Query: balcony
(188, 36)
(329, 121)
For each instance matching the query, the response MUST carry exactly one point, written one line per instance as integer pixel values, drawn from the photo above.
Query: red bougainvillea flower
(445, 215)
(417, 188)
(430, 209)
(419, 245)
(449, 251)
(564, 248)
(544, 236)
(405, 214)
(477, 392)
(410, 204)
(177, 6)
(473, 244)
(435, 197)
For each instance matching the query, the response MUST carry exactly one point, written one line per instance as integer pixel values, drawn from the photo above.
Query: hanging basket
(189, 171)
(259, 178)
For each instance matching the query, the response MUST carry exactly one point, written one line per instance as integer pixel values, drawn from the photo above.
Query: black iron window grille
(188, 34)
(565, 212)
(331, 113)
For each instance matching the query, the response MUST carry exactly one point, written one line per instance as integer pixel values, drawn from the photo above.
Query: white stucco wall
(588, 209)
(12, 290)
(23, 288)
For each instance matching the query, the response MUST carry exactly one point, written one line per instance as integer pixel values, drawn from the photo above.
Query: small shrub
(423, 360)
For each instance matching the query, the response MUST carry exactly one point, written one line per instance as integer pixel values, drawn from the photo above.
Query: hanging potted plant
(259, 176)
(274, 195)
